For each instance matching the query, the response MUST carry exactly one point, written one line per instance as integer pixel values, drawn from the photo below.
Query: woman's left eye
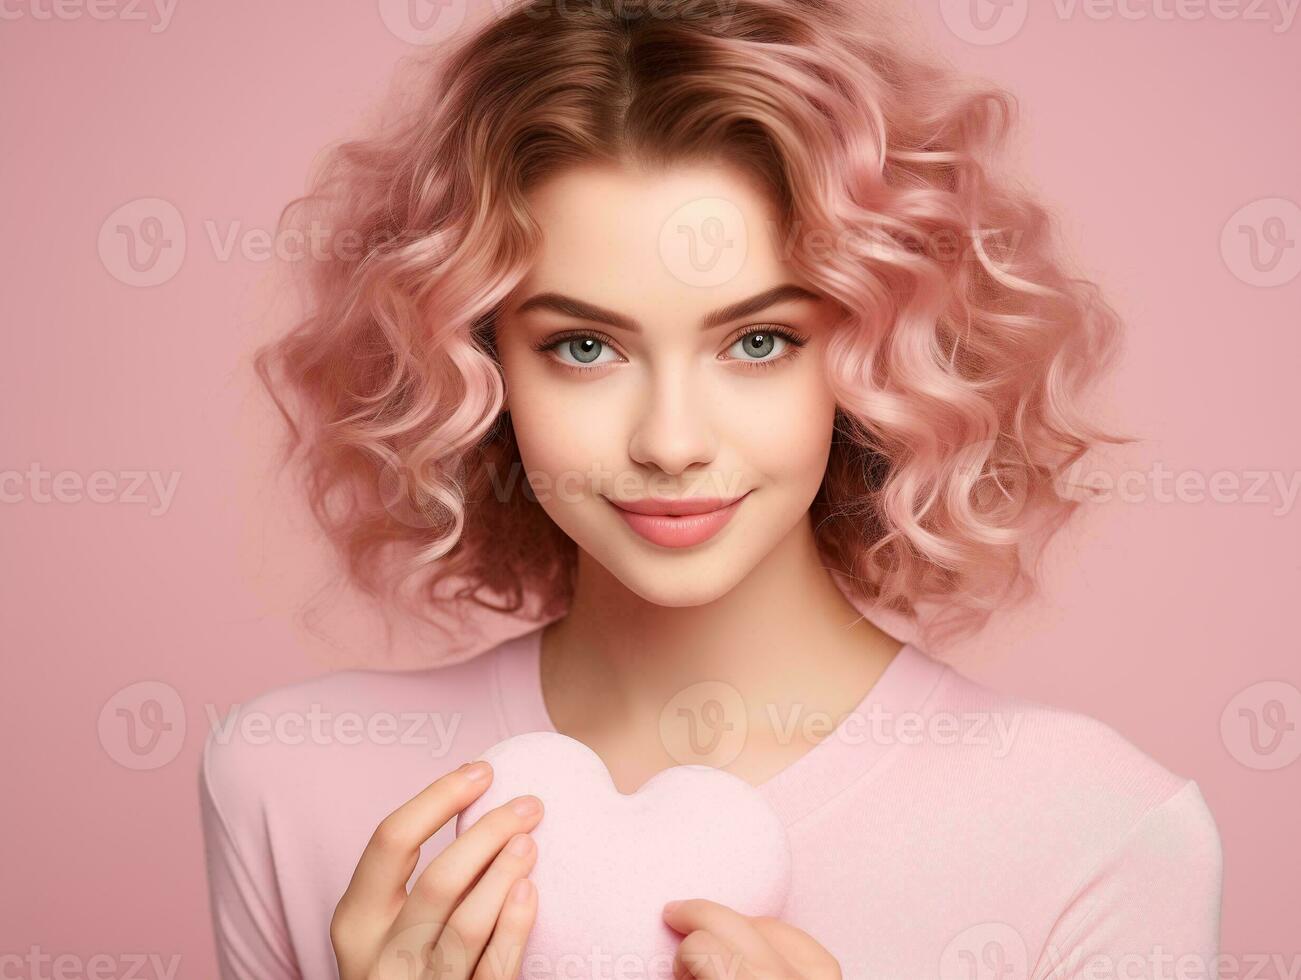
(759, 345)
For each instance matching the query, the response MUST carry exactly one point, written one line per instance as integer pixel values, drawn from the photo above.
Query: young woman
(686, 332)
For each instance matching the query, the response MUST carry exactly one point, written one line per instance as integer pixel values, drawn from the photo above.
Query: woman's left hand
(722, 943)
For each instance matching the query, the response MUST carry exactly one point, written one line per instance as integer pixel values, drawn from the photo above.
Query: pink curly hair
(959, 367)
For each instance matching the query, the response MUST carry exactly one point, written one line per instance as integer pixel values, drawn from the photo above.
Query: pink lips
(677, 523)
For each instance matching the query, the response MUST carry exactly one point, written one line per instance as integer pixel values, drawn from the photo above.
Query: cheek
(783, 426)
(559, 428)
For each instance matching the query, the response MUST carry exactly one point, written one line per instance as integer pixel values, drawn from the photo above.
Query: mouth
(678, 523)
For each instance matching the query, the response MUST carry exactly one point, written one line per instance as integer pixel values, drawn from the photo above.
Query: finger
(449, 876)
(501, 960)
(704, 956)
(377, 888)
(463, 939)
(474, 918)
(728, 926)
(800, 949)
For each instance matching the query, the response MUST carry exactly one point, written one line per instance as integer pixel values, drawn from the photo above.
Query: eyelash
(794, 339)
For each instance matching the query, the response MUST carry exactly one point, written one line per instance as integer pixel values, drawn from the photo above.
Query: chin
(671, 581)
(678, 595)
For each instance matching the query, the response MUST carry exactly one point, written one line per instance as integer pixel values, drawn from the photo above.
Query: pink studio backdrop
(147, 541)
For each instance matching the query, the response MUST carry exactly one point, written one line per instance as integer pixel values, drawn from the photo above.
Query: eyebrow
(747, 307)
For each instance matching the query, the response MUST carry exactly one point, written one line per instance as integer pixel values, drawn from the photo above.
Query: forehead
(684, 241)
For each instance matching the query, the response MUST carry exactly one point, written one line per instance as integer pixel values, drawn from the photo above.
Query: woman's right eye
(583, 351)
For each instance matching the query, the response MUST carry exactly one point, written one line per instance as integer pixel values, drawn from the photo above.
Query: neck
(785, 639)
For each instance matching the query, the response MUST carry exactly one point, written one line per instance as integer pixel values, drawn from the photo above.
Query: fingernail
(520, 891)
(526, 806)
(670, 906)
(520, 844)
(476, 770)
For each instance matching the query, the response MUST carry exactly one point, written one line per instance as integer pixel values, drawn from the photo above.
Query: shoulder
(1076, 752)
(1069, 777)
(341, 722)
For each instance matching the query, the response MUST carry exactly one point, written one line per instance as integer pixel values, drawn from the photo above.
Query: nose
(673, 431)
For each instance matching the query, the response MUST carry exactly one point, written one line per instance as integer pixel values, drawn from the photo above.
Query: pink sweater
(943, 829)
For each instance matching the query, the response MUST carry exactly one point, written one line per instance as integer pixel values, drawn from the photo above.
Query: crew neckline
(841, 758)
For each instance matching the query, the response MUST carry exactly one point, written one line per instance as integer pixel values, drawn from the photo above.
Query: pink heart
(607, 863)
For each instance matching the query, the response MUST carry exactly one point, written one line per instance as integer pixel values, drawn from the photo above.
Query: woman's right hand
(471, 909)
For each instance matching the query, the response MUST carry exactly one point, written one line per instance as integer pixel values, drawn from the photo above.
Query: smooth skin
(470, 911)
(690, 390)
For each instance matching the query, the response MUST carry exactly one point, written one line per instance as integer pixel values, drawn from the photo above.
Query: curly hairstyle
(959, 366)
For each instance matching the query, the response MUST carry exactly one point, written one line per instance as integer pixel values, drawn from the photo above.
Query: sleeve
(1151, 909)
(249, 929)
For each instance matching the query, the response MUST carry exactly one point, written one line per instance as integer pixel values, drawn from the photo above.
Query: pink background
(1146, 136)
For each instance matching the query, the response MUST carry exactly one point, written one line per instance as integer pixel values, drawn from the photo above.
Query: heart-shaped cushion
(608, 862)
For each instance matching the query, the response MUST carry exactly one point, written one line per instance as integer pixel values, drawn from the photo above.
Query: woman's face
(661, 351)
